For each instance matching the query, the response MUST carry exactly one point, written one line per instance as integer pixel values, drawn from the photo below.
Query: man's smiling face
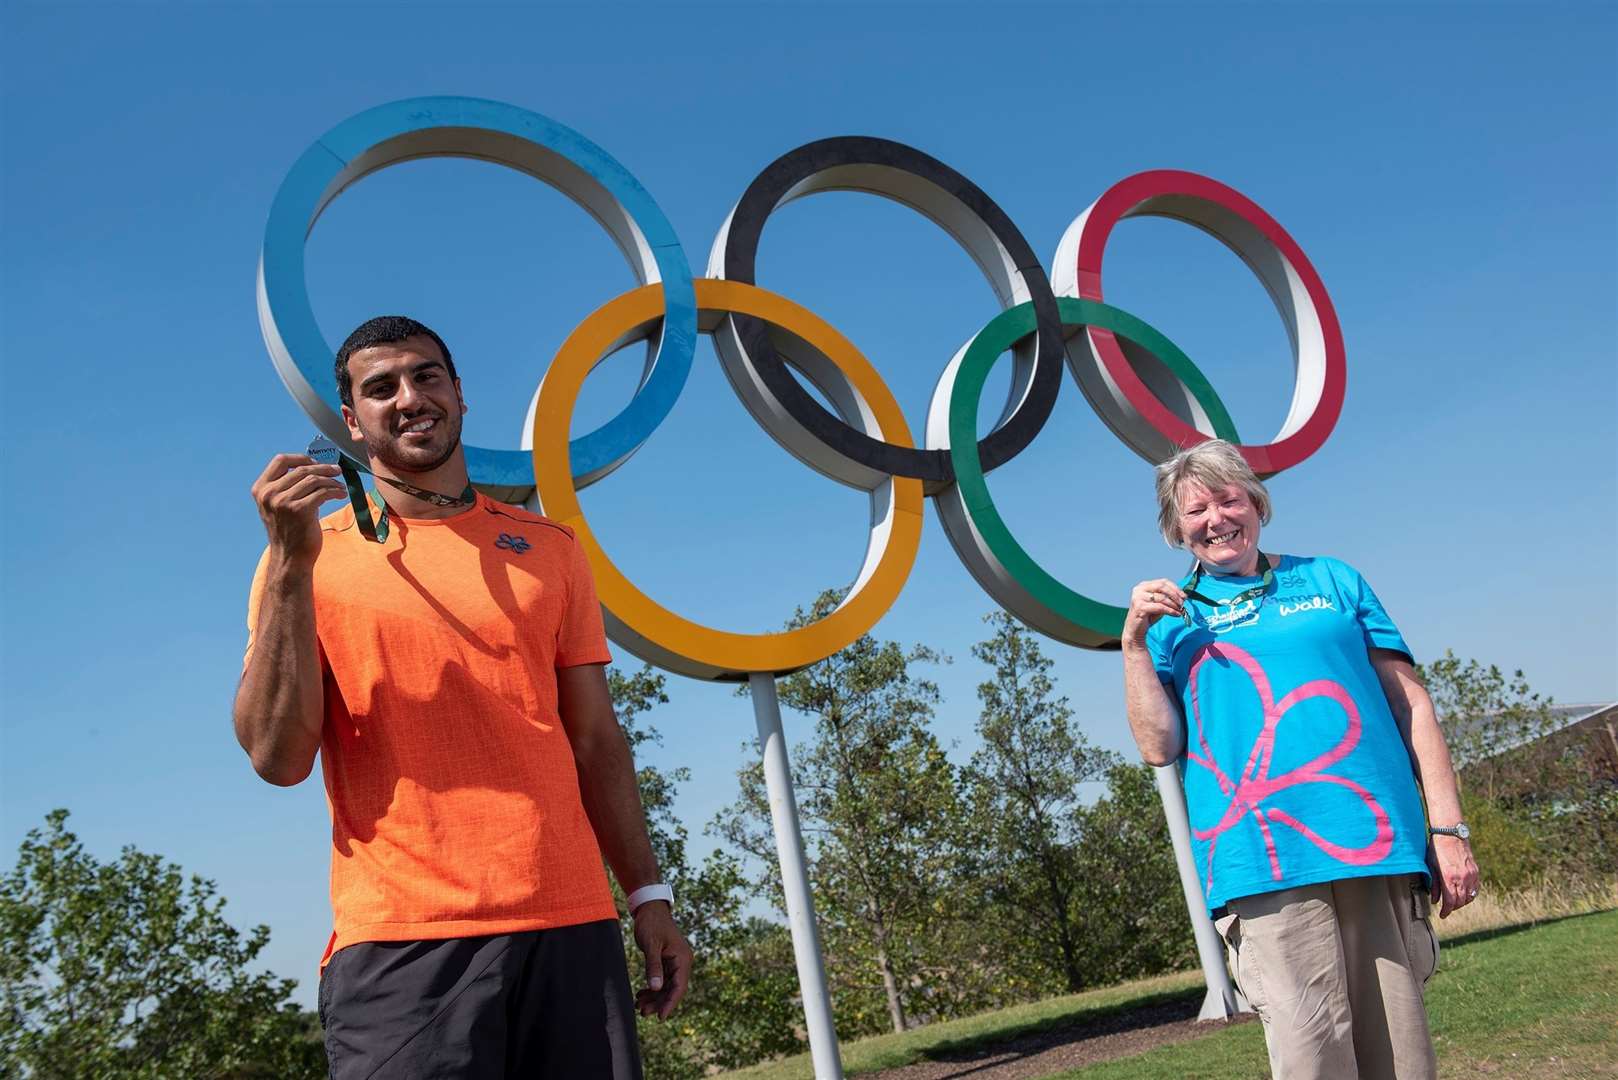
(406, 406)
(1220, 527)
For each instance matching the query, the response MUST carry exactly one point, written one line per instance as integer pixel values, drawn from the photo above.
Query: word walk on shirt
(1294, 768)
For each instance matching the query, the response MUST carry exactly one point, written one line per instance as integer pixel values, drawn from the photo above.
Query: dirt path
(1031, 1056)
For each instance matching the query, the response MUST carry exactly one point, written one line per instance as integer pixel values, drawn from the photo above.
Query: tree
(744, 1006)
(739, 1008)
(1022, 786)
(1484, 715)
(879, 806)
(128, 969)
(1128, 894)
(632, 697)
(1537, 803)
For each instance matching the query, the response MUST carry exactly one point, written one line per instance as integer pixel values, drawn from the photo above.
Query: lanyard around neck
(1242, 597)
(326, 452)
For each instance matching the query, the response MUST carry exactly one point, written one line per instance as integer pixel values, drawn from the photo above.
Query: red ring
(1132, 196)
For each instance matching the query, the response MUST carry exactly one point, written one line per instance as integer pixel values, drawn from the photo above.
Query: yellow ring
(639, 623)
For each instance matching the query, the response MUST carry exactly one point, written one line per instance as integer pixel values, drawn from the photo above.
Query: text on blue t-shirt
(1295, 770)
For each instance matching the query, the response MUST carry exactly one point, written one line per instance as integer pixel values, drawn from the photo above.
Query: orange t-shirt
(454, 799)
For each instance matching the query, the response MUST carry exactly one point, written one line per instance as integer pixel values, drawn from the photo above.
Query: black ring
(785, 179)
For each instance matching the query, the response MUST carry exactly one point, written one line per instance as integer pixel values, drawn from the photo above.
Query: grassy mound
(1535, 1000)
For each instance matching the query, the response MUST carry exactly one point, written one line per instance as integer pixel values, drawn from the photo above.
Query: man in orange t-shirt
(452, 678)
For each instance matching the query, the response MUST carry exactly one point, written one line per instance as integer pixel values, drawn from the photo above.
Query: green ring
(1088, 619)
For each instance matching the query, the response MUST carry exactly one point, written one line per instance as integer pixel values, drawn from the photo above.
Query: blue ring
(490, 130)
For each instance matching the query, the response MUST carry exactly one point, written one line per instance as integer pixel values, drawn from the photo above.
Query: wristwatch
(1459, 830)
(647, 893)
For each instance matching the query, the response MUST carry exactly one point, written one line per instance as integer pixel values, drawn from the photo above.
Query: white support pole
(772, 747)
(1222, 1000)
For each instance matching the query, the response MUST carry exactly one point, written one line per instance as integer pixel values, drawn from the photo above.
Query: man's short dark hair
(382, 330)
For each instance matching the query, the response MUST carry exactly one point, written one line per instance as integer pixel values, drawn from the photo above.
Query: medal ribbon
(375, 529)
(1240, 598)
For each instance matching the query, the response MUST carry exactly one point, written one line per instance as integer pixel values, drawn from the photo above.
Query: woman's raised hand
(1149, 602)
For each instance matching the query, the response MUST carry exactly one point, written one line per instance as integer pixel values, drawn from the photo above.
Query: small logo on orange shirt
(517, 544)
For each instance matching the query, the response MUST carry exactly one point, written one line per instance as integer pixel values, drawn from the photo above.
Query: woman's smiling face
(1220, 527)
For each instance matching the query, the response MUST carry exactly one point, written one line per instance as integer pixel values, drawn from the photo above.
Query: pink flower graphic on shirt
(1247, 794)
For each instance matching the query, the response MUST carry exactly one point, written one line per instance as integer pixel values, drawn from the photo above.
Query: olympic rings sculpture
(1144, 388)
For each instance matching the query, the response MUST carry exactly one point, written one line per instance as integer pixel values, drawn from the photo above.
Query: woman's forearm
(1154, 718)
(1433, 766)
(1455, 873)
(1418, 723)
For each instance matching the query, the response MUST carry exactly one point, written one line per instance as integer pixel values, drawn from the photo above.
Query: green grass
(1540, 1001)
(891, 1051)
(1525, 1002)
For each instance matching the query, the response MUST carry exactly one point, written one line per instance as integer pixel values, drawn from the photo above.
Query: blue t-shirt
(1294, 769)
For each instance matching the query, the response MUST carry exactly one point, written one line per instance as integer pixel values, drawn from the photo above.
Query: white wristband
(655, 891)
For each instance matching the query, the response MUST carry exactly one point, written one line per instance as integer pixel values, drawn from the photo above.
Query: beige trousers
(1336, 973)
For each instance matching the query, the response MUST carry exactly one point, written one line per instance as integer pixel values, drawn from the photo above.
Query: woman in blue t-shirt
(1290, 703)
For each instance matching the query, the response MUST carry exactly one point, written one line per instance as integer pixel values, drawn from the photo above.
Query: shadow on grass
(1037, 1036)
(1516, 928)
(1125, 1027)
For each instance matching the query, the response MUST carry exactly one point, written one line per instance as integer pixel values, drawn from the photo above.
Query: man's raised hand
(289, 493)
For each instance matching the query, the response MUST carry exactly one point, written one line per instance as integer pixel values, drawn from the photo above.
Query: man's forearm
(612, 803)
(606, 771)
(279, 705)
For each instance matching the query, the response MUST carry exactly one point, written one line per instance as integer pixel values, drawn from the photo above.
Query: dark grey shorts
(544, 1004)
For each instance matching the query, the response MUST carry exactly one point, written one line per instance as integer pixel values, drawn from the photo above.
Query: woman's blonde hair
(1214, 464)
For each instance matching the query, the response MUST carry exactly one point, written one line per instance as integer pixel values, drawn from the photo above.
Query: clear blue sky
(1451, 170)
